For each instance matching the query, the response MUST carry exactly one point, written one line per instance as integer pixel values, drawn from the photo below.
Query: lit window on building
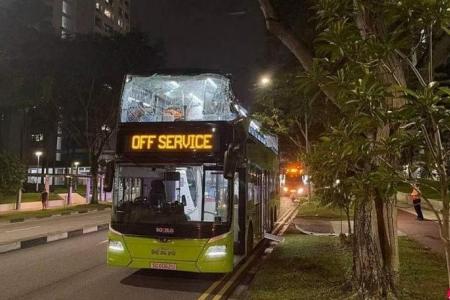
(107, 13)
(97, 6)
(66, 23)
(37, 137)
(66, 8)
(120, 22)
(109, 1)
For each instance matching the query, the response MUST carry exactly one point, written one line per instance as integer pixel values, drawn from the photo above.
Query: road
(33, 228)
(76, 269)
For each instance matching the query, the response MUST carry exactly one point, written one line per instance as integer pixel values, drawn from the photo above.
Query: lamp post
(76, 164)
(38, 155)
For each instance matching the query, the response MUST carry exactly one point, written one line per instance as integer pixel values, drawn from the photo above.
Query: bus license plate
(163, 266)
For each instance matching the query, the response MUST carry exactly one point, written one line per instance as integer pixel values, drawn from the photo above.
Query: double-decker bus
(194, 179)
(292, 180)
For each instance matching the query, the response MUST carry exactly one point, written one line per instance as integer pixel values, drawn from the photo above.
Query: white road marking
(102, 242)
(21, 229)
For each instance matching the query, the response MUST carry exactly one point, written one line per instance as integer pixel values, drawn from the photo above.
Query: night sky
(224, 35)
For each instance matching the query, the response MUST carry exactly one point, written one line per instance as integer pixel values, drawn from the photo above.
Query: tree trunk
(349, 223)
(386, 212)
(94, 174)
(370, 280)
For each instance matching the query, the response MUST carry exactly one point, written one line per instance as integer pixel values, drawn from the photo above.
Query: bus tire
(272, 218)
(275, 215)
(249, 239)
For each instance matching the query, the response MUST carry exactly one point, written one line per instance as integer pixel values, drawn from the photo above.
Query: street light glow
(76, 163)
(38, 153)
(265, 80)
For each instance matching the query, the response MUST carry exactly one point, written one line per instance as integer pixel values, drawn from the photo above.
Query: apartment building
(88, 16)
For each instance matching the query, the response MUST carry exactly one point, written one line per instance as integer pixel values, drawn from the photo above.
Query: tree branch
(287, 37)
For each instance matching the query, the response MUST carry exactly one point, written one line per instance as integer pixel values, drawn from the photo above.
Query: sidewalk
(76, 199)
(425, 232)
(15, 236)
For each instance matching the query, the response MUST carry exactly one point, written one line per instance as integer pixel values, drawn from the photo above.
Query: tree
(85, 86)
(332, 172)
(27, 40)
(428, 113)
(291, 112)
(12, 174)
(357, 64)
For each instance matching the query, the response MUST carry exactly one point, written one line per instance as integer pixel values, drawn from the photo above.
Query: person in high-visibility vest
(415, 197)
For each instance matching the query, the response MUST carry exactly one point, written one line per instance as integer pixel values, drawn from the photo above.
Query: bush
(12, 174)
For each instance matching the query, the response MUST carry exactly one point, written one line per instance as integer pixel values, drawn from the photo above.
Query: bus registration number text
(163, 266)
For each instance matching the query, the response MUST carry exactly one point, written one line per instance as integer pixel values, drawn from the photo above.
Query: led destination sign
(171, 142)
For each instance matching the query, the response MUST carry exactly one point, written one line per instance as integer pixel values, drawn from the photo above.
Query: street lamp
(265, 81)
(38, 155)
(76, 164)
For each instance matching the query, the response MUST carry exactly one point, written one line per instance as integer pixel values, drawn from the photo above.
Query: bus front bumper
(207, 256)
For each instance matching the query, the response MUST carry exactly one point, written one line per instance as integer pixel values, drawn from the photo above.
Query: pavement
(15, 236)
(426, 233)
(75, 199)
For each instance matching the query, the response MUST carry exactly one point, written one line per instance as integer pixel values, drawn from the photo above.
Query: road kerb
(50, 238)
(90, 229)
(57, 237)
(17, 220)
(9, 247)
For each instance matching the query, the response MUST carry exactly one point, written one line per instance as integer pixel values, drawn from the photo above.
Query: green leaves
(12, 173)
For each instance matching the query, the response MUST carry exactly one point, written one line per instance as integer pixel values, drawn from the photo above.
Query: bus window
(158, 195)
(170, 195)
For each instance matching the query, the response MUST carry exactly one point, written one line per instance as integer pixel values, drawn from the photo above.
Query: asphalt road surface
(76, 269)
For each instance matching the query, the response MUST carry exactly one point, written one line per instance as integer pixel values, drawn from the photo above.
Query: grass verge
(61, 189)
(313, 209)
(27, 197)
(50, 212)
(312, 267)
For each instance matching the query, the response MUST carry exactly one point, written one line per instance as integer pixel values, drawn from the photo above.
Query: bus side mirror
(229, 163)
(109, 177)
(183, 200)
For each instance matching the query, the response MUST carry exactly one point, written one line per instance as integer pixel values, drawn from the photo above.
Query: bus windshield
(165, 98)
(170, 195)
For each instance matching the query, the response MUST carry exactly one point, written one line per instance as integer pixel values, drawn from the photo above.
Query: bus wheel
(272, 220)
(249, 239)
(275, 214)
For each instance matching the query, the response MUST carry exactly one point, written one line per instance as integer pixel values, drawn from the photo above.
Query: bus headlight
(285, 189)
(216, 251)
(300, 190)
(115, 246)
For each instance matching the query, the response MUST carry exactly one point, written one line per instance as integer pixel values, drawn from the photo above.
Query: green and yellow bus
(194, 180)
